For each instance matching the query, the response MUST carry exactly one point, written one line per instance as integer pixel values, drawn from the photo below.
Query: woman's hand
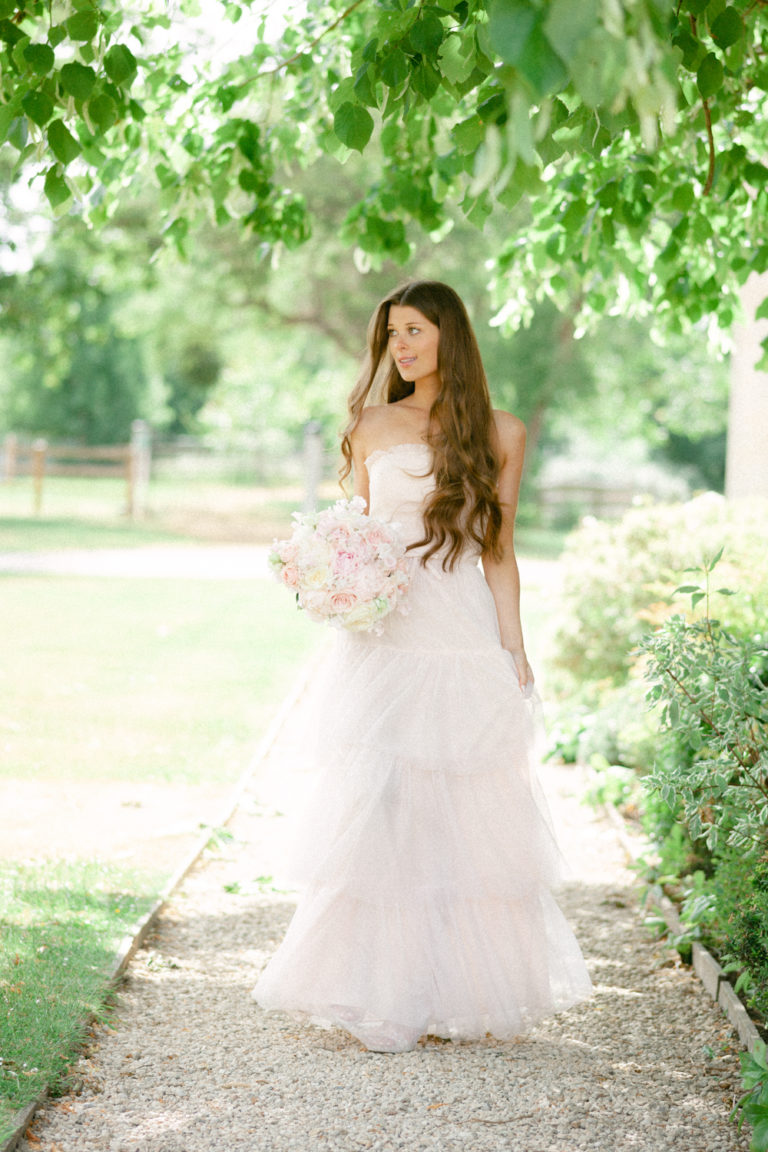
(524, 671)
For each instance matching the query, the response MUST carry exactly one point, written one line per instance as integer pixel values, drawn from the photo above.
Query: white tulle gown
(427, 854)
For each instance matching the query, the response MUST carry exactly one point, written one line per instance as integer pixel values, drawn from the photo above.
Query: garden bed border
(706, 967)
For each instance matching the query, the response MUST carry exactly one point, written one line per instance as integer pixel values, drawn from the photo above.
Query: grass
(21, 534)
(119, 679)
(61, 924)
(87, 513)
(160, 680)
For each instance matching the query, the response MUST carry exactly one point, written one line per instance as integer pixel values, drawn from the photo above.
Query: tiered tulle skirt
(427, 852)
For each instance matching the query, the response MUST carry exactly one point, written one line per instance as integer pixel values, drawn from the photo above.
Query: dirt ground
(142, 824)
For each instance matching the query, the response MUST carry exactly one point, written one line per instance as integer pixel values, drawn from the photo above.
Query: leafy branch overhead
(630, 132)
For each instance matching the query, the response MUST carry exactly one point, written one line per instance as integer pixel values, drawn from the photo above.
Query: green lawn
(28, 534)
(165, 680)
(62, 924)
(112, 679)
(90, 513)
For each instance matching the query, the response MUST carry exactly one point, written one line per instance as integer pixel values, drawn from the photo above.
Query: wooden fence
(568, 503)
(40, 459)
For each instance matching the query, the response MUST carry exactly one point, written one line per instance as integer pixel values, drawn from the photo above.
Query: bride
(427, 853)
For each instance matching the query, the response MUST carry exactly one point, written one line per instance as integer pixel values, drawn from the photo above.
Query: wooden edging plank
(133, 939)
(706, 967)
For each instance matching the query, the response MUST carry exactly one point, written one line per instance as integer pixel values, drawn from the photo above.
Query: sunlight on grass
(61, 924)
(91, 513)
(147, 679)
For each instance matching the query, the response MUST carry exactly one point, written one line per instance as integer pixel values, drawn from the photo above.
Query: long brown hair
(464, 504)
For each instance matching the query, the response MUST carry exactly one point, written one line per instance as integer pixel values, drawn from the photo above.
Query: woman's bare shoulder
(374, 414)
(510, 431)
(372, 425)
(377, 425)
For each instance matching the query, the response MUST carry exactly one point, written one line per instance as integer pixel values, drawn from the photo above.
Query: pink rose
(289, 551)
(343, 601)
(345, 564)
(367, 583)
(290, 575)
(374, 538)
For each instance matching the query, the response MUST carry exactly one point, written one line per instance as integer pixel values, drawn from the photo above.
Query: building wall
(746, 472)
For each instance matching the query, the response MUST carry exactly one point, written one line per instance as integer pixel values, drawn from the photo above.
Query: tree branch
(711, 141)
(708, 123)
(306, 48)
(308, 320)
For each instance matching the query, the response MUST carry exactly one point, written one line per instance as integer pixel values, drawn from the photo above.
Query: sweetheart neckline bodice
(378, 452)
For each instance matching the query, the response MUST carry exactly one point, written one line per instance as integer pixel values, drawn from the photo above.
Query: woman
(429, 853)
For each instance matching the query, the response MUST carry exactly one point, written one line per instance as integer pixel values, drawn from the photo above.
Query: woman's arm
(359, 470)
(502, 575)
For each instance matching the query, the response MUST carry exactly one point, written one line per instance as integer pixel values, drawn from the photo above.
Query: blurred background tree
(227, 345)
(72, 370)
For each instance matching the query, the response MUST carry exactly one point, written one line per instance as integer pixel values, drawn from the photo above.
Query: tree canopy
(631, 131)
(244, 351)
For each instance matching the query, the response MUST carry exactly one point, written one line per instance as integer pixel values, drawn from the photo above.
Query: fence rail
(564, 501)
(40, 459)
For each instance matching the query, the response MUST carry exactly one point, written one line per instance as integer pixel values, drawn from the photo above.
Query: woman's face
(413, 342)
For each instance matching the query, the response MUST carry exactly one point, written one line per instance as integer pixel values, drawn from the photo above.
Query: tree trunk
(746, 470)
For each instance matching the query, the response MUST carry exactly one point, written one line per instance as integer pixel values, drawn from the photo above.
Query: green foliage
(190, 381)
(753, 1106)
(246, 350)
(705, 801)
(698, 911)
(631, 131)
(620, 733)
(619, 580)
(674, 396)
(675, 856)
(612, 784)
(747, 934)
(74, 373)
(710, 688)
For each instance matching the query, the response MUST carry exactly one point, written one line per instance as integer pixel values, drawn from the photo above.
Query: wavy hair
(464, 504)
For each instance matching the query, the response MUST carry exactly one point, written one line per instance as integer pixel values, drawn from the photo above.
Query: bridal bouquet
(345, 567)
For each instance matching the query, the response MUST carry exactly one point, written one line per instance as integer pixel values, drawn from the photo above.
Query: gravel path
(192, 1065)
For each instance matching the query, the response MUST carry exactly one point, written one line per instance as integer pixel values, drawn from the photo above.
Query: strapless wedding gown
(427, 853)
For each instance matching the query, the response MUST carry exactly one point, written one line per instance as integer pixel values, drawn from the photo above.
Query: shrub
(753, 1105)
(619, 579)
(746, 933)
(621, 731)
(706, 733)
(710, 688)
